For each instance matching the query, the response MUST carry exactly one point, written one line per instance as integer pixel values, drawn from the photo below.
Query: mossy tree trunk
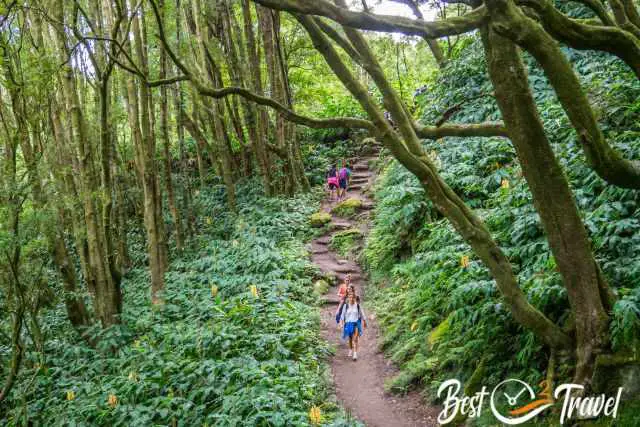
(553, 200)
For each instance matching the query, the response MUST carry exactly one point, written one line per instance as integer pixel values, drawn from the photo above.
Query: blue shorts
(343, 183)
(350, 329)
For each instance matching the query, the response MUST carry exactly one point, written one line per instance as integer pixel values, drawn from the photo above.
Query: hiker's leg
(355, 345)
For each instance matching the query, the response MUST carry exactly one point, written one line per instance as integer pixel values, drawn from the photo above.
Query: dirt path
(360, 384)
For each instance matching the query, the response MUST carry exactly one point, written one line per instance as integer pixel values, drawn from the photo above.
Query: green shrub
(228, 359)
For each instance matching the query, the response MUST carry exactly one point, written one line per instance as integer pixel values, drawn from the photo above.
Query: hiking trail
(359, 385)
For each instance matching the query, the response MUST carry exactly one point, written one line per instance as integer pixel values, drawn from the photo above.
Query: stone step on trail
(341, 225)
(328, 264)
(324, 240)
(330, 300)
(360, 177)
(355, 178)
(360, 182)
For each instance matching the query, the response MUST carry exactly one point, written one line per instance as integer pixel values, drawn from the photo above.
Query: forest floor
(360, 384)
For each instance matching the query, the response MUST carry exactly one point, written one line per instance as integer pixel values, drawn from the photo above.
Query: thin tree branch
(446, 115)
(347, 122)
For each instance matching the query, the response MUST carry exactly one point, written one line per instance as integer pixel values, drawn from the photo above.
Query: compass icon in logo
(520, 398)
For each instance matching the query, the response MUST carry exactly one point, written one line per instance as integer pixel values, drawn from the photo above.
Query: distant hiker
(387, 115)
(353, 320)
(332, 182)
(343, 175)
(342, 289)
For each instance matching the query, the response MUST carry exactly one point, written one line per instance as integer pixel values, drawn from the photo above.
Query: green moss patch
(319, 219)
(347, 208)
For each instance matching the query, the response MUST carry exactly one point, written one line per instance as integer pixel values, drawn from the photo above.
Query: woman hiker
(354, 321)
(345, 289)
(342, 289)
(332, 182)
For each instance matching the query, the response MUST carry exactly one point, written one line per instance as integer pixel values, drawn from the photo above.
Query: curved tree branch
(339, 40)
(487, 129)
(579, 35)
(509, 21)
(598, 8)
(383, 23)
(346, 122)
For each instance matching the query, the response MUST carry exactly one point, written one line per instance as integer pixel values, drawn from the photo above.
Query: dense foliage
(442, 314)
(235, 342)
(160, 162)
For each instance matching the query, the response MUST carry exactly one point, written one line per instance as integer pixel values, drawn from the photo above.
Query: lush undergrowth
(236, 341)
(440, 310)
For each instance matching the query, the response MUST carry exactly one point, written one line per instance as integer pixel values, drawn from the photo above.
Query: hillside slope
(440, 310)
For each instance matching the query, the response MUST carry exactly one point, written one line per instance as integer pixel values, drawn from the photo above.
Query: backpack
(344, 173)
(339, 313)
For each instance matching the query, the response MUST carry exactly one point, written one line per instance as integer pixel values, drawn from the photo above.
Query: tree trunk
(139, 116)
(262, 119)
(164, 130)
(553, 200)
(107, 292)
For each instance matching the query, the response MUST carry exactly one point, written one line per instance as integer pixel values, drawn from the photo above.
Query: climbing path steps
(360, 384)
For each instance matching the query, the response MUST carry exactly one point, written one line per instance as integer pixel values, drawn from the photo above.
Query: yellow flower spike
(209, 220)
(214, 291)
(136, 344)
(414, 326)
(464, 261)
(505, 183)
(315, 416)
(112, 400)
(254, 291)
(133, 376)
(71, 395)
